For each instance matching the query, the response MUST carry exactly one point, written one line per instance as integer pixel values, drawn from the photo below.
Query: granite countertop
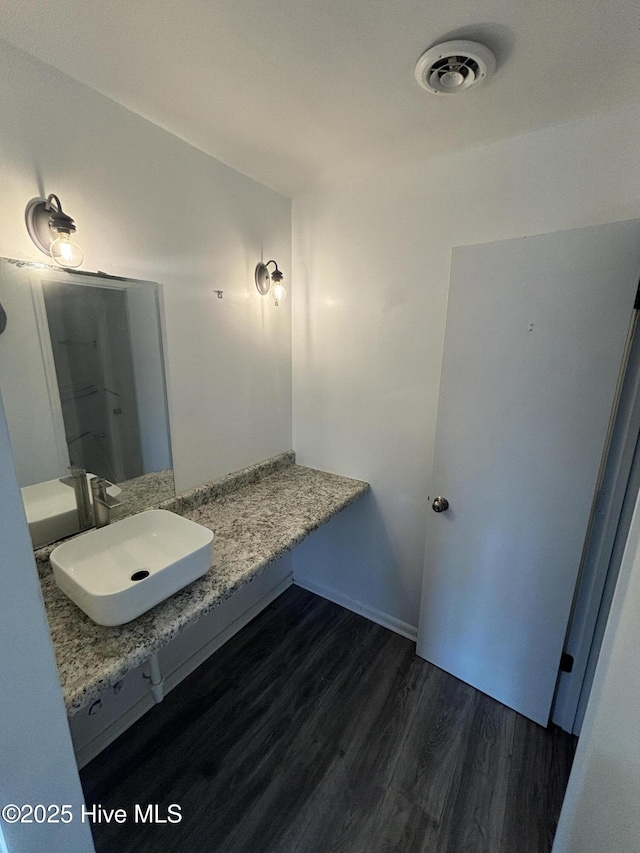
(141, 492)
(256, 515)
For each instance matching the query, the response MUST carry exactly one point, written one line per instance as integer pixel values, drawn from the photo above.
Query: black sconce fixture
(50, 228)
(270, 281)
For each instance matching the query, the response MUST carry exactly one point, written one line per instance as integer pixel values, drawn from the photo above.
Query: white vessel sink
(51, 510)
(118, 572)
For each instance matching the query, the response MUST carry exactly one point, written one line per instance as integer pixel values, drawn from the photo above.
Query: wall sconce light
(265, 280)
(50, 229)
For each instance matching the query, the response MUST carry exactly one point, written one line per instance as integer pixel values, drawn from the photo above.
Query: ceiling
(301, 93)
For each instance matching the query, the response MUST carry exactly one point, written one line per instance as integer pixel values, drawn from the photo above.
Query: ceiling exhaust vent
(454, 66)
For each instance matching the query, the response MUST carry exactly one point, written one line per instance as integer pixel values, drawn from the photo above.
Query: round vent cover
(454, 66)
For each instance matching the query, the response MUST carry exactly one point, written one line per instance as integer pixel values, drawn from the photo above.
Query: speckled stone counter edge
(193, 498)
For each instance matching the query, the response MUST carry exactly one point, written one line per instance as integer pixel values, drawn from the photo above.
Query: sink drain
(138, 576)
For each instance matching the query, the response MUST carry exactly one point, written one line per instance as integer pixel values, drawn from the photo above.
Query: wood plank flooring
(315, 731)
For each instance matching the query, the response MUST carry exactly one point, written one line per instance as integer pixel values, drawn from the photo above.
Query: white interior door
(535, 336)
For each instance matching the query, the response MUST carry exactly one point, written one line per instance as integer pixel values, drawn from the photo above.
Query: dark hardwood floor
(314, 730)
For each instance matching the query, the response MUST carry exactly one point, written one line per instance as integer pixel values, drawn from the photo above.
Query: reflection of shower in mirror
(92, 353)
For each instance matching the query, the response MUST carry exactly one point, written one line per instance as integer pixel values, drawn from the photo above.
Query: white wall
(371, 272)
(37, 763)
(149, 206)
(600, 811)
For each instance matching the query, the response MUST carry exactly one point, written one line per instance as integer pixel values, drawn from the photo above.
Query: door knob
(440, 504)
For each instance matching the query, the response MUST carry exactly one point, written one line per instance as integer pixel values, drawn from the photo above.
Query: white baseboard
(171, 679)
(377, 616)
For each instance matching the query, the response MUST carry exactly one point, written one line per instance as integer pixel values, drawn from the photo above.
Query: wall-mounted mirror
(83, 383)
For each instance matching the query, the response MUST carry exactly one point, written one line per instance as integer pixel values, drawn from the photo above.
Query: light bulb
(66, 251)
(278, 292)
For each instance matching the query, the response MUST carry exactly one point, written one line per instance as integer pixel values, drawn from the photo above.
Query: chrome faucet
(103, 503)
(78, 480)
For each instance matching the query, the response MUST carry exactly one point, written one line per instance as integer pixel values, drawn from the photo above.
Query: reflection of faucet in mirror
(103, 503)
(83, 501)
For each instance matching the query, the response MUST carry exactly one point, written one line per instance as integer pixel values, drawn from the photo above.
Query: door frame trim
(601, 537)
